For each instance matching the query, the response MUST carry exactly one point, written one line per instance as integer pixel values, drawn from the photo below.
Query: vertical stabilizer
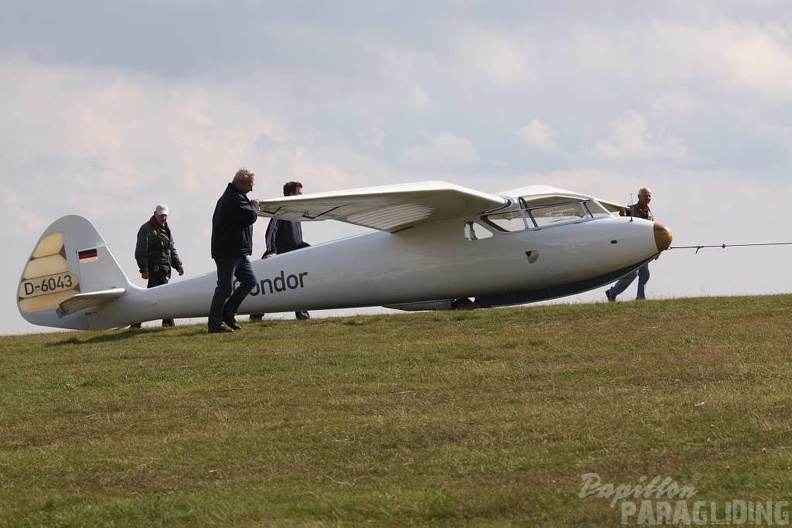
(70, 259)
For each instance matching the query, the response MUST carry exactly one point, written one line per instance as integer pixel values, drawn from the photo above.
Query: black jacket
(155, 251)
(232, 225)
(284, 236)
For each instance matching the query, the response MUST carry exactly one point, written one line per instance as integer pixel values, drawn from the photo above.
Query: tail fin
(70, 271)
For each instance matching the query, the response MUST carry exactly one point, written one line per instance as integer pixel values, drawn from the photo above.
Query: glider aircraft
(434, 245)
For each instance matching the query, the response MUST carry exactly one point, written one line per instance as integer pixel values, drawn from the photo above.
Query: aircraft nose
(662, 236)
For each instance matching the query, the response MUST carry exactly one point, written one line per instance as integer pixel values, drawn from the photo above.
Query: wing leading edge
(388, 208)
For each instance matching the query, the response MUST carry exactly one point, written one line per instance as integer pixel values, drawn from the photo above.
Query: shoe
(219, 330)
(302, 315)
(610, 296)
(231, 322)
(256, 318)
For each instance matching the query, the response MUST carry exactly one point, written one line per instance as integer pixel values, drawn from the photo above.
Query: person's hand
(180, 270)
(269, 254)
(144, 274)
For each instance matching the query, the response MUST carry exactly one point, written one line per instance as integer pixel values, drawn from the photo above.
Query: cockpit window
(560, 213)
(508, 221)
(542, 212)
(596, 209)
(476, 231)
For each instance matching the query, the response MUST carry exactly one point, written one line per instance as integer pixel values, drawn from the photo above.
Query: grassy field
(471, 418)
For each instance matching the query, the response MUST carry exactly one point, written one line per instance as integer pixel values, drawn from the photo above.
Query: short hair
(243, 175)
(644, 190)
(289, 188)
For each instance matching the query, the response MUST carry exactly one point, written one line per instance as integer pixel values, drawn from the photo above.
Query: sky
(107, 109)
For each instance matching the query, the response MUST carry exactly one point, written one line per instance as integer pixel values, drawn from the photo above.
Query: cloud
(496, 57)
(444, 148)
(630, 138)
(746, 56)
(23, 214)
(110, 133)
(404, 73)
(540, 136)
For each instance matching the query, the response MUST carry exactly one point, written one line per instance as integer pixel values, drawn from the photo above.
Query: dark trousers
(157, 278)
(226, 299)
(643, 277)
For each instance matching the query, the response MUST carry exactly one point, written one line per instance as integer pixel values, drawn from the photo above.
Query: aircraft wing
(388, 208)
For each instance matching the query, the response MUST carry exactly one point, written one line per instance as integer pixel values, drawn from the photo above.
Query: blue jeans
(224, 302)
(643, 277)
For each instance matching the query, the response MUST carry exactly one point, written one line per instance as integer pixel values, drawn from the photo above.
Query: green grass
(472, 418)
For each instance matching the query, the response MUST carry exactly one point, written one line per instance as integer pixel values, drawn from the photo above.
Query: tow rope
(724, 246)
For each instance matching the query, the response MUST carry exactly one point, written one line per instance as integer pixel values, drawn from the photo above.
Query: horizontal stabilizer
(83, 301)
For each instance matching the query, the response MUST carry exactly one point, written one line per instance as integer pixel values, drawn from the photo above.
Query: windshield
(539, 216)
(561, 213)
(509, 221)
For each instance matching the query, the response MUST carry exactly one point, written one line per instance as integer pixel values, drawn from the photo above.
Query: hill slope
(479, 418)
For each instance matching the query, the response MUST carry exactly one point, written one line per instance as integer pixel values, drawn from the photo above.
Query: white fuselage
(435, 261)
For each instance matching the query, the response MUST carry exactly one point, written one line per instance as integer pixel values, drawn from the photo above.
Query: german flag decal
(88, 255)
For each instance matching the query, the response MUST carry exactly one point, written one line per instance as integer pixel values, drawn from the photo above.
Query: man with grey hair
(232, 244)
(639, 210)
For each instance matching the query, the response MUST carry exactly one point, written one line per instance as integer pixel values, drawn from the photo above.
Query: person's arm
(246, 211)
(141, 250)
(176, 262)
(270, 236)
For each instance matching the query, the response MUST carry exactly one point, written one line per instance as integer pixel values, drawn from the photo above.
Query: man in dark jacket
(284, 236)
(156, 254)
(639, 210)
(232, 244)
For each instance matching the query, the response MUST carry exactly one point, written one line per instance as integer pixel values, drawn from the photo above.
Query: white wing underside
(388, 208)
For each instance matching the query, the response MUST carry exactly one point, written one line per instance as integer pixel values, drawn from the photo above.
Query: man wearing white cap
(155, 252)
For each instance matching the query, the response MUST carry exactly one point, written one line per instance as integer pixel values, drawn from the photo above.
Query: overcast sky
(108, 108)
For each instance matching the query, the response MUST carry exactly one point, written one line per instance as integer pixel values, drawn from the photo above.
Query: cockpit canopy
(537, 212)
